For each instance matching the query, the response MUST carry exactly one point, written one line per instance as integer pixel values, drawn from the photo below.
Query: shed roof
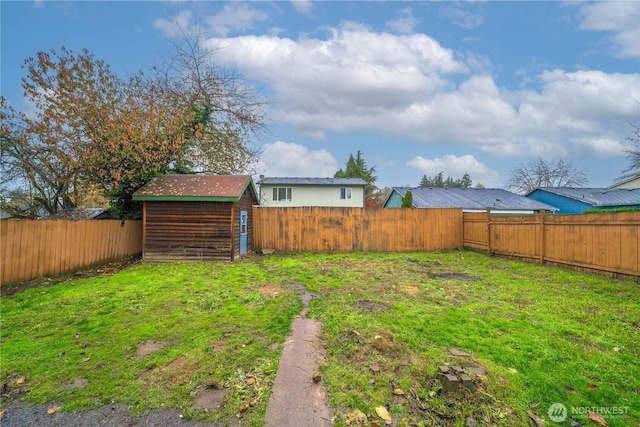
(597, 196)
(470, 198)
(206, 188)
(312, 181)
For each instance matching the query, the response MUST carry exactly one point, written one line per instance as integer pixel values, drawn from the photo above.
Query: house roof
(597, 196)
(312, 181)
(470, 198)
(626, 181)
(204, 188)
(80, 213)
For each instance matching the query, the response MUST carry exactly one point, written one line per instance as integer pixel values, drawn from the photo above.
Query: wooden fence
(606, 242)
(319, 229)
(35, 248)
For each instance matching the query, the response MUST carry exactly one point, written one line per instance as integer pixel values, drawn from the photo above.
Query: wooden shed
(197, 217)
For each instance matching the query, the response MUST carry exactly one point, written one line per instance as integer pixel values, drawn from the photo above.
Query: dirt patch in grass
(409, 289)
(272, 291)
(79, 383)
(371, 305)
(148, 347)
(455, 276)
(210, 397)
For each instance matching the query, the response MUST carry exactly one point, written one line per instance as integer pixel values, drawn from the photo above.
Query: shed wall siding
(190, 231)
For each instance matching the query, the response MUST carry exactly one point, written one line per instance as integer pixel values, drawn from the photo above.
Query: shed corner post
(144, 228)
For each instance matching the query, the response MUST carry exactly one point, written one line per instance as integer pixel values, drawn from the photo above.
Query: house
(499, 201)
(288, 192)
(627, 183)
(75, 214)
(571, 200)
(197, 217)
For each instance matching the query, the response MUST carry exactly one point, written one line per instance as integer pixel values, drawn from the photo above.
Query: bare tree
(228, 111)
(633, 155)
(542, 173)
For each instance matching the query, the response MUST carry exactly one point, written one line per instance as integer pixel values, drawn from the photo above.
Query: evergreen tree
(438, 181)
(407, 200)
(356, 167)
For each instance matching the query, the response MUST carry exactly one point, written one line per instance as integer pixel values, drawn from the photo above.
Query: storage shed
(197, 217)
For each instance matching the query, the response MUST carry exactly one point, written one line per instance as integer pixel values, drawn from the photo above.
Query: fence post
(489, 230)
(542, 248)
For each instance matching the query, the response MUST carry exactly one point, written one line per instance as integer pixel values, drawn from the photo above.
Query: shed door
(243, 232)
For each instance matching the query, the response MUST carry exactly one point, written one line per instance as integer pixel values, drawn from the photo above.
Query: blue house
(468, 199)
(571, 200)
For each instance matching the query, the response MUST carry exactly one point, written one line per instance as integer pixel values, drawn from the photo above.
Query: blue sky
(418, 87)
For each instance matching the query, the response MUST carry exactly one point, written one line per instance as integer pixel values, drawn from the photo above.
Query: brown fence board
(31, 248)
(326, 229)
(604, 242)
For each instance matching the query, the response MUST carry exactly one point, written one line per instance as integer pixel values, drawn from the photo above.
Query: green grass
(543, 335)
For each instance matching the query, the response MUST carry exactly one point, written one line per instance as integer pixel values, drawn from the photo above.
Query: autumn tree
(542, 173)
(96, 127)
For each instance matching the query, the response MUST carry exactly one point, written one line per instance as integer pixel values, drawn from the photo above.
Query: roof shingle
(194, 187)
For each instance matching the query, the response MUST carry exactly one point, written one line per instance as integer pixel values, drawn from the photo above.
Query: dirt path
(296, 400)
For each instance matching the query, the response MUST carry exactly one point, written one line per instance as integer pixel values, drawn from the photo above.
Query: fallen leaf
(483, 378)
(536, 419)
(592, 387)
(377, 337)
(356, 333)
(597, 418)
(244, 407)
(86, 359)
(250, 381)
(4, 411)
(616, 349)
(374, 368)
(384, 414)
(356, 416)
(317, 377)
(513, 370)
(53, 410)
(574, 423)
(20, 381)
(398, 391)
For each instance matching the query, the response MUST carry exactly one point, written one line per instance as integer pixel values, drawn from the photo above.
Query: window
(282, 194)
(345, 193)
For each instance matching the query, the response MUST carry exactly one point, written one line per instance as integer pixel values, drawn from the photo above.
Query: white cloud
(235, 17)
(461, 17)
(620, 18)
(455, 167)
(404, 23)
(303, 6)
(295, 160)
(409, 86)
(177, 26)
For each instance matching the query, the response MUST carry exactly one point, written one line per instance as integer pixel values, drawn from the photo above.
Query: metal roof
(312, 181)
(79, 213)
(597, 196)
(209, 188)
(470, 198)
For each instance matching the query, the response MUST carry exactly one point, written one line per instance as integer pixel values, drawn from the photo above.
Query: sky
(418, 87)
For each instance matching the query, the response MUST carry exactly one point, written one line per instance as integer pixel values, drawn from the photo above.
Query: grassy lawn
(542, 335)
